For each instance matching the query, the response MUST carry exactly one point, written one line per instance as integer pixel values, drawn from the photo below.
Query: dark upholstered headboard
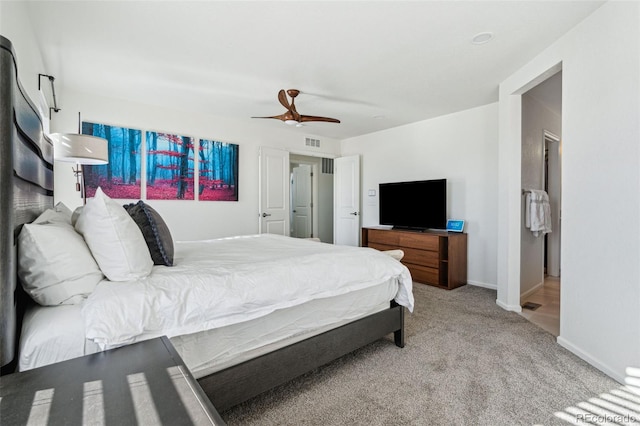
(26, 190)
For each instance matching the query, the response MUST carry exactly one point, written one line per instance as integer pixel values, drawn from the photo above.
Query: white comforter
(226, 281)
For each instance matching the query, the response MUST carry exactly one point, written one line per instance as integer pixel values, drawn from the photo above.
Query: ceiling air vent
(312, 142)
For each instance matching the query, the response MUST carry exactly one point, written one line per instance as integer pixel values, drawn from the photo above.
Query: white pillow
(75, 215)
(59, 213)
(115, 240)
(55, 265)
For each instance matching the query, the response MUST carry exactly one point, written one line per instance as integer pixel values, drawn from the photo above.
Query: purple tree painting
(218, 174)
(169, 167)
(120, 178)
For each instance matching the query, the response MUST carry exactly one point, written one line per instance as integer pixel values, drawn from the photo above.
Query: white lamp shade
(80, 149)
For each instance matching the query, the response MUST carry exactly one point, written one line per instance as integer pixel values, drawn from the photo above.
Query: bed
(246, 313)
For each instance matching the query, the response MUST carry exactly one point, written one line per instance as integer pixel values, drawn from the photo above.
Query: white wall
(460, 147)
(536, 118)
(600, 292)
(187, 220)
(15, 25)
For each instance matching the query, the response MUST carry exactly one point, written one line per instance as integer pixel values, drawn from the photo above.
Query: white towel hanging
(538, 212)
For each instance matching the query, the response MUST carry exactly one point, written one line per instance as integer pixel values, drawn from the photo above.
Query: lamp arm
(78, 172)
(84, 187)
(54, 108)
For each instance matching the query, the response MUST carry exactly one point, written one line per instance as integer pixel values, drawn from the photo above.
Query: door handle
(266, 214)
(354, 213)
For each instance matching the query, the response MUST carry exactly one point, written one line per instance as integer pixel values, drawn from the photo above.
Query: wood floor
(547, 316)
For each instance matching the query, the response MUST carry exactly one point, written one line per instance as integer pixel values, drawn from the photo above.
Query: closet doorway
(541, 169)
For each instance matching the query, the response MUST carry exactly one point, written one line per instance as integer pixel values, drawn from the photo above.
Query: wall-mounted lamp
(80, 149)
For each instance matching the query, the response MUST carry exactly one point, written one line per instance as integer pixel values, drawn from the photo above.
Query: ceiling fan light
(291, 122)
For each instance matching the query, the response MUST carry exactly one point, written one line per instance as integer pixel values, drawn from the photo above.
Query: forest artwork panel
(170, 174)
(120, 178)
(218, 171)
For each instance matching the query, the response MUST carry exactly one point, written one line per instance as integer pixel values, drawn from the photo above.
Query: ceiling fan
(292, 117)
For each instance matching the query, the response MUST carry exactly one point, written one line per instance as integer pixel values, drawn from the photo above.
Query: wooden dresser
(434, 258)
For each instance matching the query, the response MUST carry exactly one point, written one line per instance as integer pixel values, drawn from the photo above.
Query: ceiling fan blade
(292, 116)
(279, 117)
(282, 97)
(304, 118)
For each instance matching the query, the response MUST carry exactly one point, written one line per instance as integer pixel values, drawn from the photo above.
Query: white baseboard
(513, 308)
(523, 296)
(516, 308)
(591, 360)
(485, 285)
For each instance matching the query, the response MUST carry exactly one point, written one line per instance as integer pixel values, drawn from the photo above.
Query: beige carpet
(466, 362)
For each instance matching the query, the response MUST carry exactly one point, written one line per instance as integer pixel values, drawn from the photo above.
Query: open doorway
(311, 197)
(541, 170)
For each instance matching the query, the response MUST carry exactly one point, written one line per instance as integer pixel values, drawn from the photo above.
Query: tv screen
(414, 205)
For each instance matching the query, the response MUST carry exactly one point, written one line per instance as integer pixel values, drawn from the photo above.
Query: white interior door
(274, 191)
(301, 202)
(346, 227)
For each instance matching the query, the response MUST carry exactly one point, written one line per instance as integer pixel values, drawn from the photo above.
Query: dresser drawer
(382, 247)
(423, 274)
(383, 237)
(419, 240)
(420, 257)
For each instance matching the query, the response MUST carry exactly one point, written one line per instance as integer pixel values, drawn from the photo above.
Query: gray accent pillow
(155, 231)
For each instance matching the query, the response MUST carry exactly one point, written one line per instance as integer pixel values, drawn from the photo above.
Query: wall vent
(312, 142)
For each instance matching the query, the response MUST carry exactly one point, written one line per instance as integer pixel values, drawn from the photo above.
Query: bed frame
(26, 190)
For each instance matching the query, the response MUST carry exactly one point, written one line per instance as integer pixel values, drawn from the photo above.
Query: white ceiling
(373, 65)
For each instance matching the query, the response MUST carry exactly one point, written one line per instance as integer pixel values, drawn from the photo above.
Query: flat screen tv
(414, 205)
